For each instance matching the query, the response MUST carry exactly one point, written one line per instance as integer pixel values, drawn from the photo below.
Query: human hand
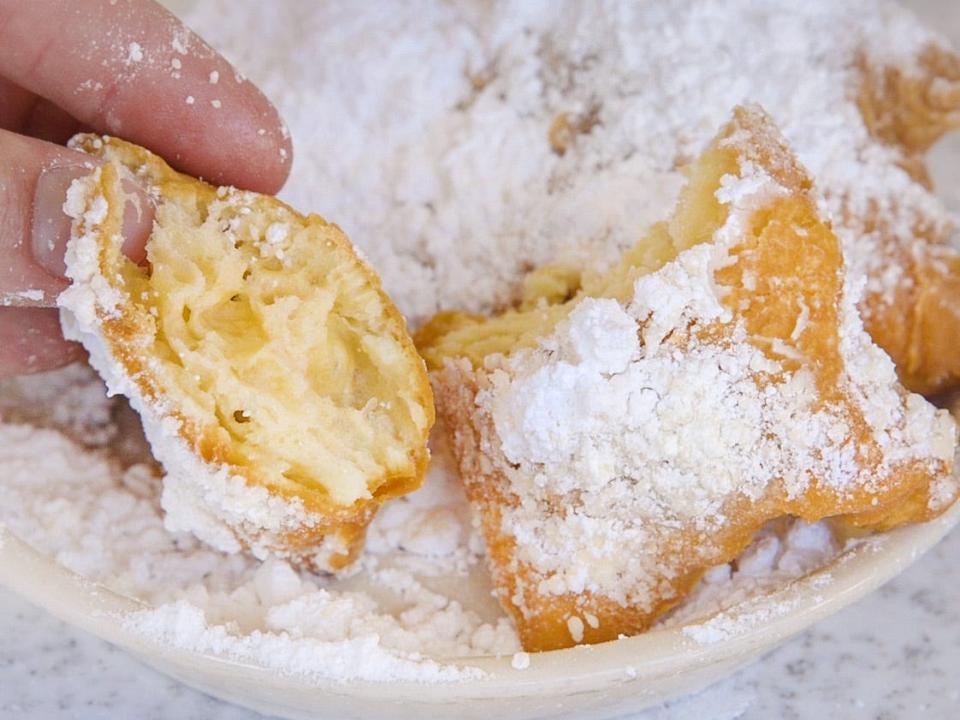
(120, 67)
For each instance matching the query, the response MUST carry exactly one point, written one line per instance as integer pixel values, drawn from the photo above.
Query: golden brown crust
(795, 266)
(126, 328)
(910, 109)
(541, 620)
(920, 324)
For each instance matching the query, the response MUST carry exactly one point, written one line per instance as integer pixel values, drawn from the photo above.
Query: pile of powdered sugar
(424, 129)
(101, 517)
(428, 130)
(419, 593)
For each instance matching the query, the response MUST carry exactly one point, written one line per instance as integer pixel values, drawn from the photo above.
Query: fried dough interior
(266, 327)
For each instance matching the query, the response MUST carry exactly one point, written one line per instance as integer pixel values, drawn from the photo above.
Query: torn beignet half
(619, 443)
(276, 380)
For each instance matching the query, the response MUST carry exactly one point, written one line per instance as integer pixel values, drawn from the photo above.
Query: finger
(131, 69)
(16, 105)
(23, 112)
(34, 230)
(30, 341)
(50, 123)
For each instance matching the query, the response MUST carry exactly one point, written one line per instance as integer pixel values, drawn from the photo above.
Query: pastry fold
(621, 433)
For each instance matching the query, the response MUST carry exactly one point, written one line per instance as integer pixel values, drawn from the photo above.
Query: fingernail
(138, 215)
(50, 229)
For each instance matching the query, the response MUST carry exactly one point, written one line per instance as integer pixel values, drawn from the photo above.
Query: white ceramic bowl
(598, 681)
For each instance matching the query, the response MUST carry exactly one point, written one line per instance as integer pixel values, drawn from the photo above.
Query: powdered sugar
(780, 554)
(184, 625)
(71, 399)
(89, 290)
(134, 53)
(220, 508)
(724, 627)
(102, 518)
(424, 130)
(437, 132)
(635, 439)
(21, 297)
(520, 661)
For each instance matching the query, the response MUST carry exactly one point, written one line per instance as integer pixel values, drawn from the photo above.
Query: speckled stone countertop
(892, 656)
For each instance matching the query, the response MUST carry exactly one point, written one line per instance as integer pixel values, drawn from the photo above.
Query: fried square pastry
(907, 247)
(275, 379)
(622, 433)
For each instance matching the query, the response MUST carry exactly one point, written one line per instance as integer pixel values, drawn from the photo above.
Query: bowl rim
(757, 623)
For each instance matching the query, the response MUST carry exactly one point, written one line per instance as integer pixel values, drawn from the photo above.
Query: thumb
(34, 230)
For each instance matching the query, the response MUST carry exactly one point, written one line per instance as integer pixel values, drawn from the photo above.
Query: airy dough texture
(606, 494)
(277, 381)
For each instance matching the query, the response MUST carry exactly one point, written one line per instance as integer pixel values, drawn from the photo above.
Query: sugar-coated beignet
(628, 431)
(276, 380)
